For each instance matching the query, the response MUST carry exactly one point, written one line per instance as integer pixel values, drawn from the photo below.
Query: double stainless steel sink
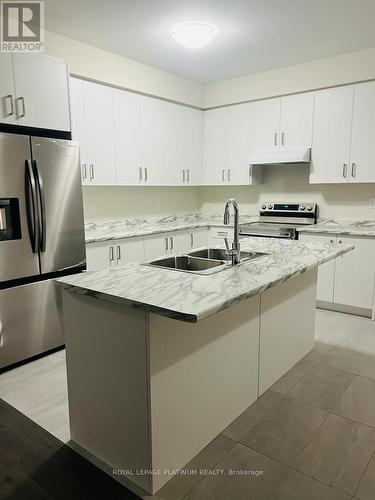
(204, 261)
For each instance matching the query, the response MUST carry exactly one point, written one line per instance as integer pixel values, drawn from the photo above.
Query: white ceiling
(255, 35)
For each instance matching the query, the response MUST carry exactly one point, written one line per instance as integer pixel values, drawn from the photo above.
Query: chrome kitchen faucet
(234, 252)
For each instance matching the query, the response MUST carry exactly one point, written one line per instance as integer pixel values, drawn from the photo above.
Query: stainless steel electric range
(281, 220)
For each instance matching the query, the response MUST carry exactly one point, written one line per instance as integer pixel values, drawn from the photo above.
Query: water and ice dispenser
(10, 225)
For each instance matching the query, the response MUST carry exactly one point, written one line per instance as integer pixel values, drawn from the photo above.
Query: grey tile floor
(310, 436)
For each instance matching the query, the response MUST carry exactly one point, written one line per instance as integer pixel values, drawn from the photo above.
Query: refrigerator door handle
(42, 207)
(31, 206)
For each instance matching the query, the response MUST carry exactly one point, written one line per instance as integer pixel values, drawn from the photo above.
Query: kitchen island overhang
(147, 392)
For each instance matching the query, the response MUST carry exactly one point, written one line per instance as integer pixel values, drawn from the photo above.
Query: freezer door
(30, 321)
(58, 178)
(17, 197)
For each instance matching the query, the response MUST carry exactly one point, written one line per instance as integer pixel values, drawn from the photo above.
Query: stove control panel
(289, 207)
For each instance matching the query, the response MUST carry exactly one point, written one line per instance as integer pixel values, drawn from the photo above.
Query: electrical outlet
(371, 203)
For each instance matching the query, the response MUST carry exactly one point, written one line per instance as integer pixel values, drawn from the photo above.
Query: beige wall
(117, 202)
(97, 64)
(290, 183)
(347, 68)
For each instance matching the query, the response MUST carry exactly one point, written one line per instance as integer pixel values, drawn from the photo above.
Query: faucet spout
(235, 250)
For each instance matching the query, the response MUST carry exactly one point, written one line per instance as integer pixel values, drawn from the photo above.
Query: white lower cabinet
(354, 276)
(217, 234)
(197, 238)
(349, 279)
(101, 255)
(173, 242)
(326, 272)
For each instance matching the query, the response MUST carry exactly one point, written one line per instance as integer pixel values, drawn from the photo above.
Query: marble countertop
(350, 227)
(188, 297)
(116, 229)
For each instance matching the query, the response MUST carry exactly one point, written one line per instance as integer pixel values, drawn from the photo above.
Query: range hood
(281, 157)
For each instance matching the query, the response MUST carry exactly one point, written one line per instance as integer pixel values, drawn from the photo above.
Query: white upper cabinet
(153, 141)
(333, 109)
(127, 130)
(265, 125)
(78, 123)
(98, 112)
(362, 158)
(41, 91)
(191, 145)
(7, 110)
(226, 144)
(214, 146)
(296, 121)
(282, 123)
(238, 143)
(34, 91)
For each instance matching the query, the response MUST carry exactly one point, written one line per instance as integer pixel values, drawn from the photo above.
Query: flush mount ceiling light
(194, 34)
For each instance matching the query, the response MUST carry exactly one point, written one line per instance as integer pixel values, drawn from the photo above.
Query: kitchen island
(159, 361)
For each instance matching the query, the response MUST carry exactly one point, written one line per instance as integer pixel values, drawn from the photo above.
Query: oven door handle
(42, 207)
(31, 206)
(284, 236)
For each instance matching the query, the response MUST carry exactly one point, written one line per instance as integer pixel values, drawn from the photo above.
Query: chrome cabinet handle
(8, 98)
(354, 169)
(91, 171)
(84, 171)
(22, 101)
(183, 175)
(344, 170)
(146, 174)
(191, 239)
(275, 139)
(222, 175)
(171, 242)
(111, 254)
(282, 138)
(166, 244)
(140, 173)
(188, 175)
(228, 176)
(118, 252)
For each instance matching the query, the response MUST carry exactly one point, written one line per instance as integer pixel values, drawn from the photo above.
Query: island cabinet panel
(107, 365)
(287, 326)
(202, 377)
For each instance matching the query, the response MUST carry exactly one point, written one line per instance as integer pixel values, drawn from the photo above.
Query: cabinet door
(153, 141)
(7, 109)
(41, 84)
(326, 272)
(265, 125)
(99, 133)
(238, 143)
(296, 121)
(214, 146)
(331, 135)
(174, 161)
(99, 256)
(156, 245)
(78, 123)
(126, 117)
(191, 132)
(129, 250)
(362, 168)
(354, 278)
(197, 238)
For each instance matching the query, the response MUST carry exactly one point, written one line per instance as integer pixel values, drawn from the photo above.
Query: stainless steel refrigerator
(41, 237)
